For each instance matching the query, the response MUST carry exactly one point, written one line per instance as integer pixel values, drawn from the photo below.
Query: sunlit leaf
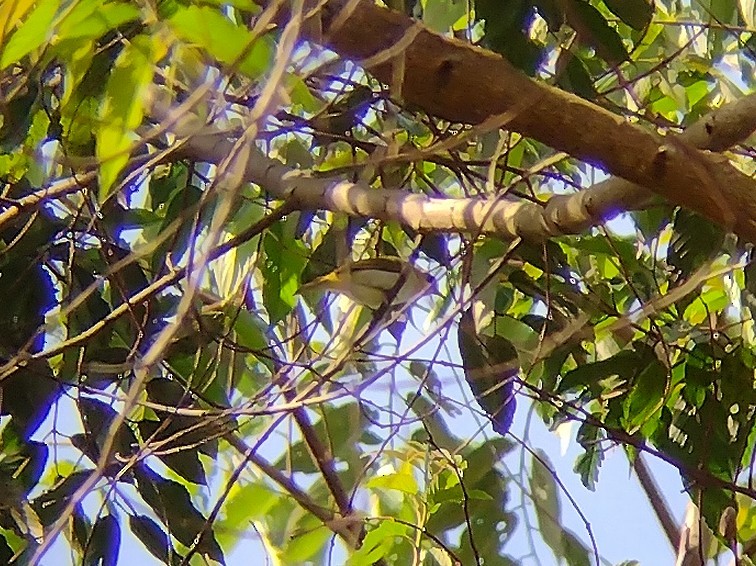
(124, 107)
(377, 543)
(31, 33)
(90, 19)
(229, 43)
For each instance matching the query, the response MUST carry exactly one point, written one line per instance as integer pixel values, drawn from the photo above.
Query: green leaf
(441, 15)
(311, 539)
(596, 31)
(434, 424)
(575, 552)
(588, 463)
(171, 503)
(590, 375)
(220, 37)
(251, 334)
(249, 502)
(91, 19)
(50, 504)
(377, 543)
(30, 34)
(124, 106)
(646, 397)
(693, 243)
(153, 538)
(281, 270)
(545, 495)
(491, 365)
(576, 78)
(543, 487)
(710, 301)
(400, 481)
(104, 543)
(635, 13)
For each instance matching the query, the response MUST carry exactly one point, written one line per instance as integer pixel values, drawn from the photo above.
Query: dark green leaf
(28, 394)
(182, 460)
(104, 543)
(6, 552)
(551, 12)
(181, 207)
(171, 503)
(17, 116)
(80, 529)
(51, 503)
(154, 539)
(485, 515)
(435, 246)
(576, 78)
(693, 243)
(647, 395)
(597, 32)
(97, 417)
(491, 366)
(21, 465)
(635, 13)
(624, 364)
(506, 25)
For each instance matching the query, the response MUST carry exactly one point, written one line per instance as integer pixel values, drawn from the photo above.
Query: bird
(375, 282)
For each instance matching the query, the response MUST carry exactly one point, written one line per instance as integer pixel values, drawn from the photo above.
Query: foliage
(163, 382)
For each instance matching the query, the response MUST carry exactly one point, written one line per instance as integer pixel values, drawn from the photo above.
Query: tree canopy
(574, 178)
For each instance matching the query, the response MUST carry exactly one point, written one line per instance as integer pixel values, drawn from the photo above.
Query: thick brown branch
(462, 83)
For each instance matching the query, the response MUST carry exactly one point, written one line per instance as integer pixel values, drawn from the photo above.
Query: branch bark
(463, 83)
(656, 499)
(562, 214)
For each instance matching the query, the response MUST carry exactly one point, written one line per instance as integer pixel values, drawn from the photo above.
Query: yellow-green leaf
(31, 34)
(224, 40)
(93, 18)
(123, 107)
(400, 481)
(10, 14)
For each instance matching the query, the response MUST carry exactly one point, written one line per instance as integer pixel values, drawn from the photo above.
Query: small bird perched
(375, 282)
